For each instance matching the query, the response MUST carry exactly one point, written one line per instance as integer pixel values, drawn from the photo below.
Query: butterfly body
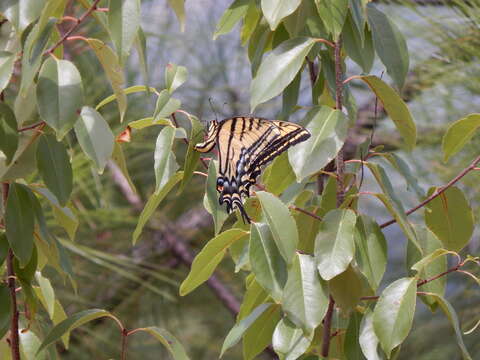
(245, 145)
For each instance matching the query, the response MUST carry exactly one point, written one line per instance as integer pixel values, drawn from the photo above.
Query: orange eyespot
(219, 188)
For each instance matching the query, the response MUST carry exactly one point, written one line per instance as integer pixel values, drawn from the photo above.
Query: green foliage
(310, 245)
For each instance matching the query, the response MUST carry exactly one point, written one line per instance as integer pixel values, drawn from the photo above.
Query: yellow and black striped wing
(245, 145)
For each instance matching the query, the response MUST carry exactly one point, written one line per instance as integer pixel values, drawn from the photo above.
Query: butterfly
(245, 144)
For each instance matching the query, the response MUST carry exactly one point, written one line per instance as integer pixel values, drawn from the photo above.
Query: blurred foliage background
(140, 284)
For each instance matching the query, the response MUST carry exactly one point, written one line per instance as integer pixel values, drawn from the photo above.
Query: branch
(327, 324)
(439, 191)
(74, 27)
(30, 127)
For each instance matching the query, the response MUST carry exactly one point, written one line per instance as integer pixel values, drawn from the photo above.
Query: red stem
(30, 127)
(439, 191)
(74, 27)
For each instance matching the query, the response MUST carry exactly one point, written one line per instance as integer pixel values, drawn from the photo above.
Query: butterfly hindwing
(245, 145)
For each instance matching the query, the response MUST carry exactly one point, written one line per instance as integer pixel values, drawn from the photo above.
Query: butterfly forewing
(246, 144)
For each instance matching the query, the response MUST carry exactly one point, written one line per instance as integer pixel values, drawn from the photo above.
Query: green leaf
(389, 44)
(235, 12)
(351, 345)
(35, 45)
(335, 245)
(333, 15)
(19, 222)
(29, 343)
(54, 167)
(432, 256)
(59, 95)
(392, 202)
(21, 12)
(5, 309)
(307, 229)
(288, 341)
(450, 217)
(207, 260)
(259, 335)
(175, 76)
(276, 10)
(236, 333)
(279, 69)
(113, 71)
(250, 22)
(166, 105)
(433, 266)
(95, 137)
(123, 24)
(393, 314)
(346, 289)
(71, 323)
(371, 254)
(210, 201)
(149, 121)
(178, 7)
(173, 346)
(279, 175)
(452, 317)
(290, 97)
(8, 132)
(328, 129)
(3, 247)
(305, 300)
(141, 46)
(458, 134)
(153, 203)
(254, 295)
(267, 264)
(367, 338)
(63, 214)
(281, 223)
(191, 159)
(7, 60)
(119, 159)
(402, 167)
(23, 162)
(47, 292)
(395, 108)
(129, 90)
(165, 162)
(25, 108)
(358, 46)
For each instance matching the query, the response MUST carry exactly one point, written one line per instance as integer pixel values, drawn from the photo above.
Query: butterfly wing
(245, 145)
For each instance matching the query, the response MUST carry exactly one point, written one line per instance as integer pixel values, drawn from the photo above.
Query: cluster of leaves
(298, 261)
(43, 114)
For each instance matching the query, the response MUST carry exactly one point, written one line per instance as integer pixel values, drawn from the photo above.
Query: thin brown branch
(30, 127)
(312, 72)
(124, 334)
(452, 269)
(327, 324)
(326, 42)
(82, 18)
(306, 212)
(439, 191)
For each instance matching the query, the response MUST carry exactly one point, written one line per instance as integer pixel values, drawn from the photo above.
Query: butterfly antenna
(213, 108)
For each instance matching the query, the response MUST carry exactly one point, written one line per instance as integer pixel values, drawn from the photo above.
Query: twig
(92, 8)
(326, 42)
(14, 339)
(327, 324)
(312, 72)
(439, 191)
(306, 212)
(30, 127)
(124, 334)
